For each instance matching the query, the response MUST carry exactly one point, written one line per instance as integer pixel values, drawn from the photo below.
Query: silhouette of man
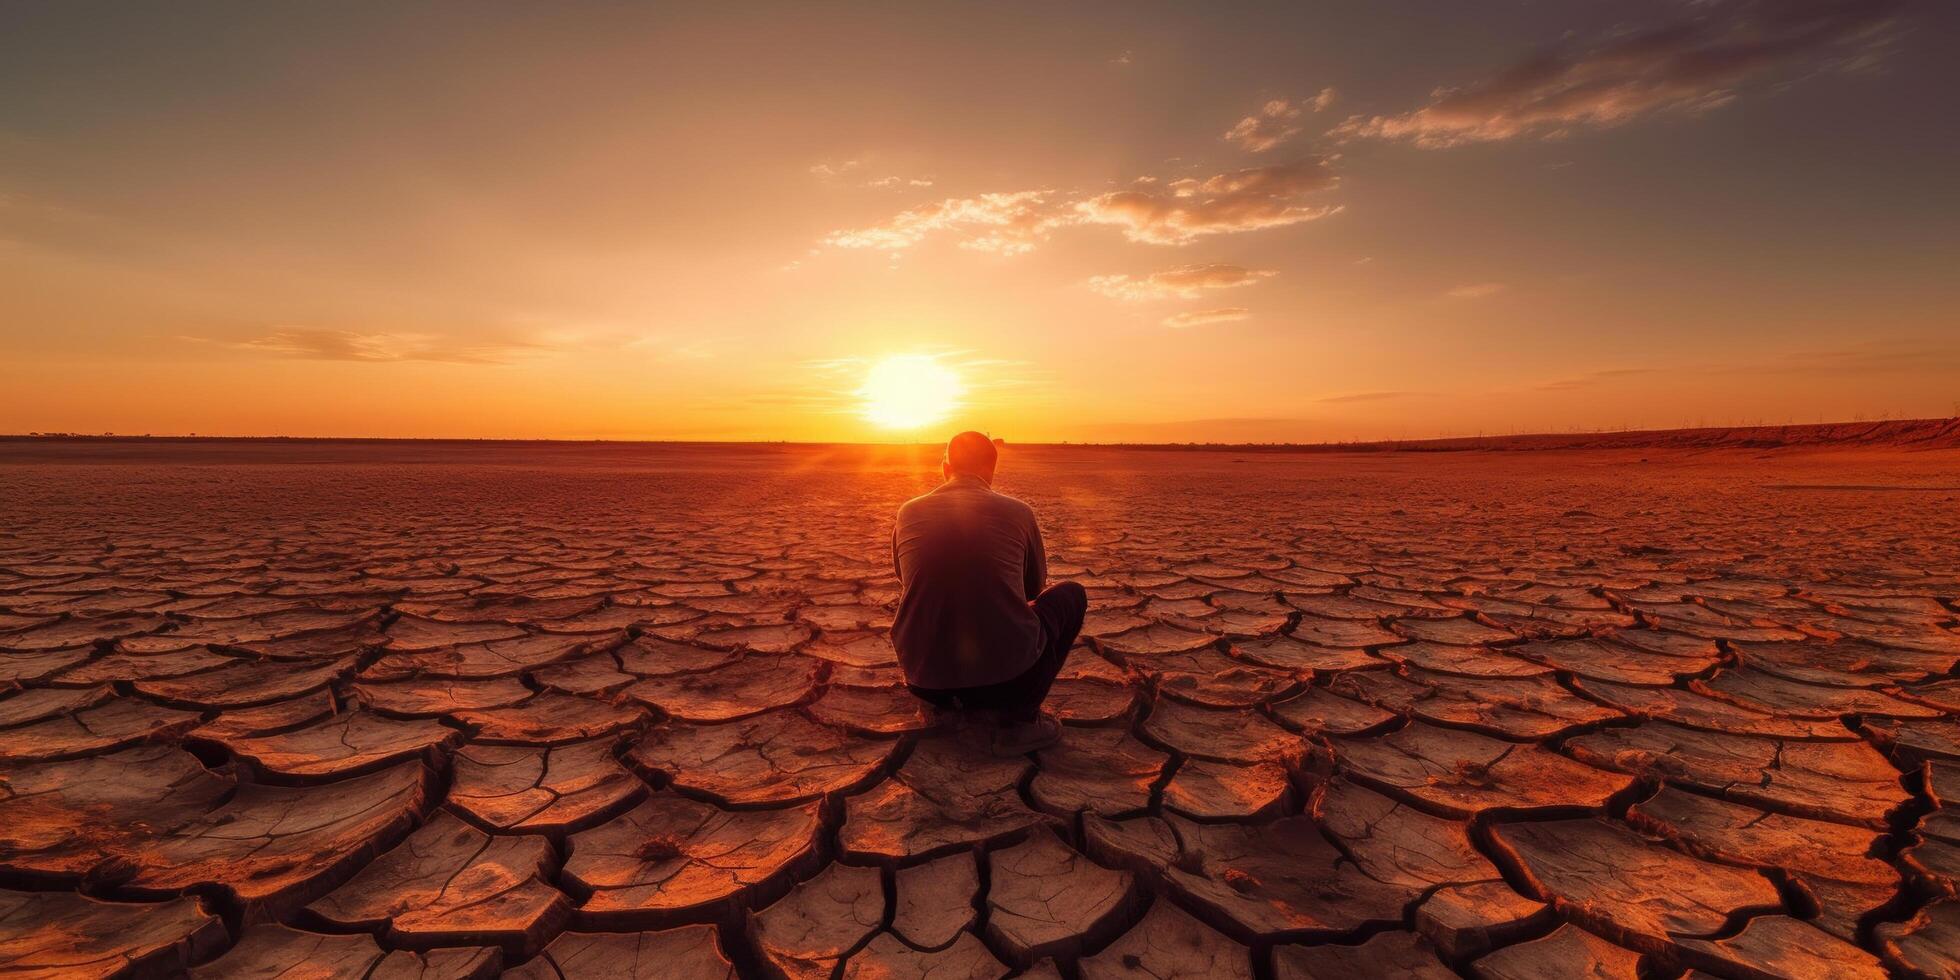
(975, 626)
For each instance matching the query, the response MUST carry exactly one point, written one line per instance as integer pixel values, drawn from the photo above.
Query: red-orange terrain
(562, 710)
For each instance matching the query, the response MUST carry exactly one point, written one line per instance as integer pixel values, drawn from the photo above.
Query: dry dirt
(450, 709)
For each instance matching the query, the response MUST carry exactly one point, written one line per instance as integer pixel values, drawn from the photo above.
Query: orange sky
(1137, 222)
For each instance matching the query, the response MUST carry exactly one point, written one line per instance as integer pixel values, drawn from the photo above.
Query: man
(975, 626)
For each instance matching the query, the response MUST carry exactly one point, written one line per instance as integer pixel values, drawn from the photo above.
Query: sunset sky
(1104, 222)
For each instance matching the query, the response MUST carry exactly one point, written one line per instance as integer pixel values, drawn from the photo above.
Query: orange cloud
(1595, 378)
(1365, 396)
(1184, 210)
(1200, 318)
(1689, 67)
(835, 173)
(1276, 122)
(313, 344)
(1476, 290)
(1004, 223)
(829, 170)
(1243, 200)
(1183, 282)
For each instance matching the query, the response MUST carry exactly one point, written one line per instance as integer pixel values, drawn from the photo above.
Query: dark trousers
(1060, 608)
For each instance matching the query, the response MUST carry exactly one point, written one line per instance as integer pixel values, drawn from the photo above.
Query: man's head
(970, 454)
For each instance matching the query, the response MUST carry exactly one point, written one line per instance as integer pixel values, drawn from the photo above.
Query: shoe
(958, 719)
(1026, 737)
(940, 719)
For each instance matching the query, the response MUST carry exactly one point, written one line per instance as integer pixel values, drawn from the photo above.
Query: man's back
(969, 561)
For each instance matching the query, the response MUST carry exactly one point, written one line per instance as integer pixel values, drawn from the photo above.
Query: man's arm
(1035, 568)
(895, 570)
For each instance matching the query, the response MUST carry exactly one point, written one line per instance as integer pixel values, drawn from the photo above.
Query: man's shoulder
(920, 506)
(985, 499)
(1014, 504)
(922, 500)
(1012, 509)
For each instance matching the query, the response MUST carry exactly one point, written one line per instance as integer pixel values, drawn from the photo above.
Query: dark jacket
(969, 561)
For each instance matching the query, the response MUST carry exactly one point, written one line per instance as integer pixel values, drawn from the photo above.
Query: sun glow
(908, 391)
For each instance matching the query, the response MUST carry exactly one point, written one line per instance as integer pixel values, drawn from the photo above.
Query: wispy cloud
(1364, 396)
(700, 348)
(1242, 200)
(314, 344)
(1004, 223)
(538, 337)
(847, 171)
(1221, 430)
(1476, 290)
(1873, 357)
(1200, 318)
(1595, 378)
(1183, 282)
(1690, 66)
(1276, 122)
(828, 170)
(1158, 212)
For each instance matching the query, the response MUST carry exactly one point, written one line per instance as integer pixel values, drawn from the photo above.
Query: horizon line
(1949, 421)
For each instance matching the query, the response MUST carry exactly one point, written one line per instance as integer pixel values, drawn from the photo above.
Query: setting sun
(907, 391)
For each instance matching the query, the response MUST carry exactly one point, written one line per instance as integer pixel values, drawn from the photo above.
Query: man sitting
(975, 626)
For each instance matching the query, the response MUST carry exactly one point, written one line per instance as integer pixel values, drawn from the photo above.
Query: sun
(910, 391)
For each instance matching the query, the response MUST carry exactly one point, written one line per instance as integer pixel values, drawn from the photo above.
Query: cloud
(829, 170)
(1200, 318)
(1004, 223)
(834, 173)
(1183, 282)
(1690, 66)
(1213, 431)
(1243, 200)
(1595, 378)
(1868, 358)
(1873, 358)
(1365, 396)
(1177, 212)
(671, 349)
(1476, 290)
(306, 343)
(1276, 122)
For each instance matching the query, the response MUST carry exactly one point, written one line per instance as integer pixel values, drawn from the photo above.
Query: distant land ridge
(1891, 434)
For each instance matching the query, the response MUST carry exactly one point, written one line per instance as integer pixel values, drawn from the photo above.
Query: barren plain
(580, 710)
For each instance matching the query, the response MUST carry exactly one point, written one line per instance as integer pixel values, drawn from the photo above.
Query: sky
(1136, 222)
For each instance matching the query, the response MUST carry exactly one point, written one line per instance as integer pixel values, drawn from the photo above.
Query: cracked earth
(563, 711)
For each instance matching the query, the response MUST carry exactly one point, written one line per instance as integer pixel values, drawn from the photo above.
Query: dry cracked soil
(555, 711)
